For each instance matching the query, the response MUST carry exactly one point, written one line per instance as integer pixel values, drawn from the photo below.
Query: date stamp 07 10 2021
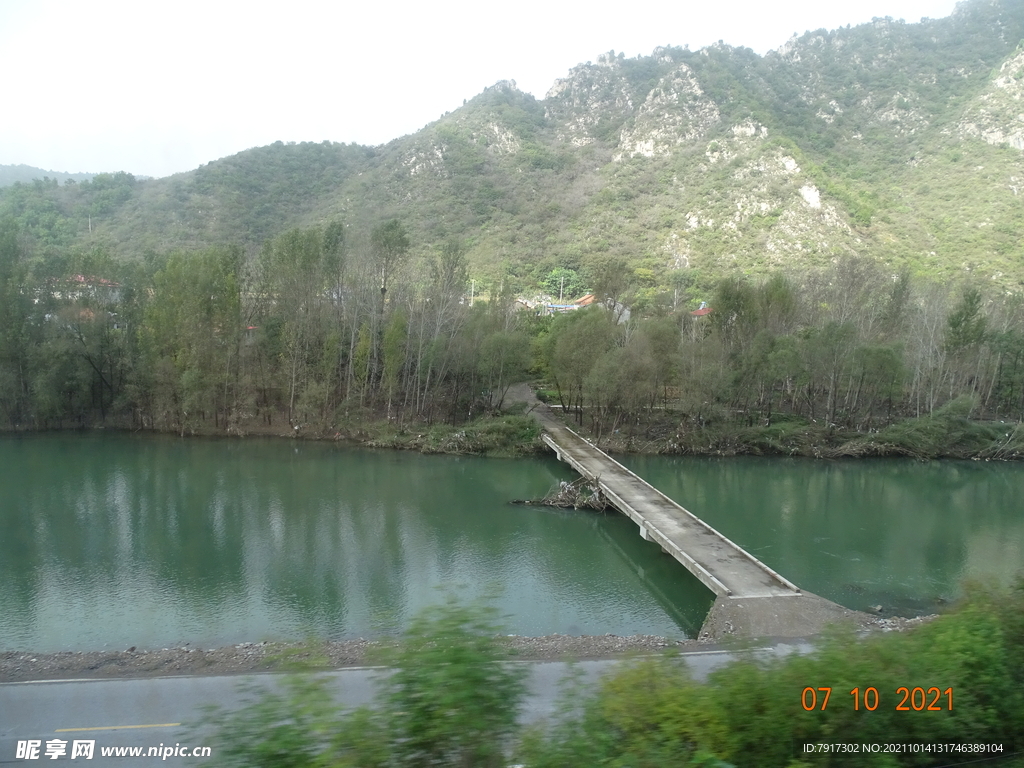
(915, 699)
(911, 699)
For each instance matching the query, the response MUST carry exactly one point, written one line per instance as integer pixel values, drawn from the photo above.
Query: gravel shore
(16, 666)
(247, 658)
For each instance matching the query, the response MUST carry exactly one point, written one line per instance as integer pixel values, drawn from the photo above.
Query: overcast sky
(155, 88)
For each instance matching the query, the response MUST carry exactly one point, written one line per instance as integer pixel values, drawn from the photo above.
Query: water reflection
(902, 534)
(113, 541)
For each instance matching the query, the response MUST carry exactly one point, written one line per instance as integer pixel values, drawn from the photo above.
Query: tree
(879, 377)
(779, 303)
(440, 320)
(621, 385)
(737, 314)
(966, 325)
(191, 334)
(611, 280)
(395, 339)
(504, 360)
(1008, 384)
(826, 353)
(564, 283)
(896, 308)
(966, 333)
(14, 325)
(389, 245)
(576, 340)
(301, 274)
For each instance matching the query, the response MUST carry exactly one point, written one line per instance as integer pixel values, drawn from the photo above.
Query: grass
(506, 435)
(947, 433)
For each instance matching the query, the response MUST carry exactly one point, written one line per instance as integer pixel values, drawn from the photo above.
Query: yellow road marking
(116, 727)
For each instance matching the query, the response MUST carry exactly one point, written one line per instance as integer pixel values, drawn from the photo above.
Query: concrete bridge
(751, 599)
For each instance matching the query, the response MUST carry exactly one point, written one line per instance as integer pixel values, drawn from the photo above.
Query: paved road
(157, 711)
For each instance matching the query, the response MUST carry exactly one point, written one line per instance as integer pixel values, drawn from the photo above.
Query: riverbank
(505, 435)
(251, 658)
(947, 434)
(915, 438)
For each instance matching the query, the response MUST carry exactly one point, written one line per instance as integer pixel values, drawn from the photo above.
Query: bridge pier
(646, 536)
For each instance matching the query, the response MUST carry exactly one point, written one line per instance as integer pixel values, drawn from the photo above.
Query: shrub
(447, 700)
(750, 713)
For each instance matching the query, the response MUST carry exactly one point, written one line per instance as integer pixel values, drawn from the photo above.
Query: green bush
(948, 429)
(291, 729)
(448, 700)
(750, 712)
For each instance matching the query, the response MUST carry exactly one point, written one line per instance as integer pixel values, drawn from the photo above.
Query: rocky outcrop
(675, 112)
(997, 115)
(592, 95)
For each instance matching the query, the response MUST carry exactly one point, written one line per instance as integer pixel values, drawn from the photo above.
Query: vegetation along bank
(308, 340)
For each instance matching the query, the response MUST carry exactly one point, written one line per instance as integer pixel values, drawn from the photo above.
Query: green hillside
(899, 142)
(848, 206)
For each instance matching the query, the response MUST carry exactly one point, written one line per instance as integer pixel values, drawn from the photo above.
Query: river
(898, 533)
(113, 540)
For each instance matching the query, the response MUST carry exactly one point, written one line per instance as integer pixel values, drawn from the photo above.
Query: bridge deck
(724, 567)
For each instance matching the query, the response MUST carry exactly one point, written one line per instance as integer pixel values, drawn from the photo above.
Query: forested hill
(12, 174)
(902, 142)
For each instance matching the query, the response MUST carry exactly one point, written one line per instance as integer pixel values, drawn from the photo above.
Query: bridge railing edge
(667, 544)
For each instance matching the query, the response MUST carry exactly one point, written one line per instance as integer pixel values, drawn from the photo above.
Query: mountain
(11, 174)
(898, 142)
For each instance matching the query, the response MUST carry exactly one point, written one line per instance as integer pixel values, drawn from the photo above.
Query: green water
(906, 535)
(109, 541)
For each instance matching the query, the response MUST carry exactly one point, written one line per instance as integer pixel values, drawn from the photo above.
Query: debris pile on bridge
(579, 494)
